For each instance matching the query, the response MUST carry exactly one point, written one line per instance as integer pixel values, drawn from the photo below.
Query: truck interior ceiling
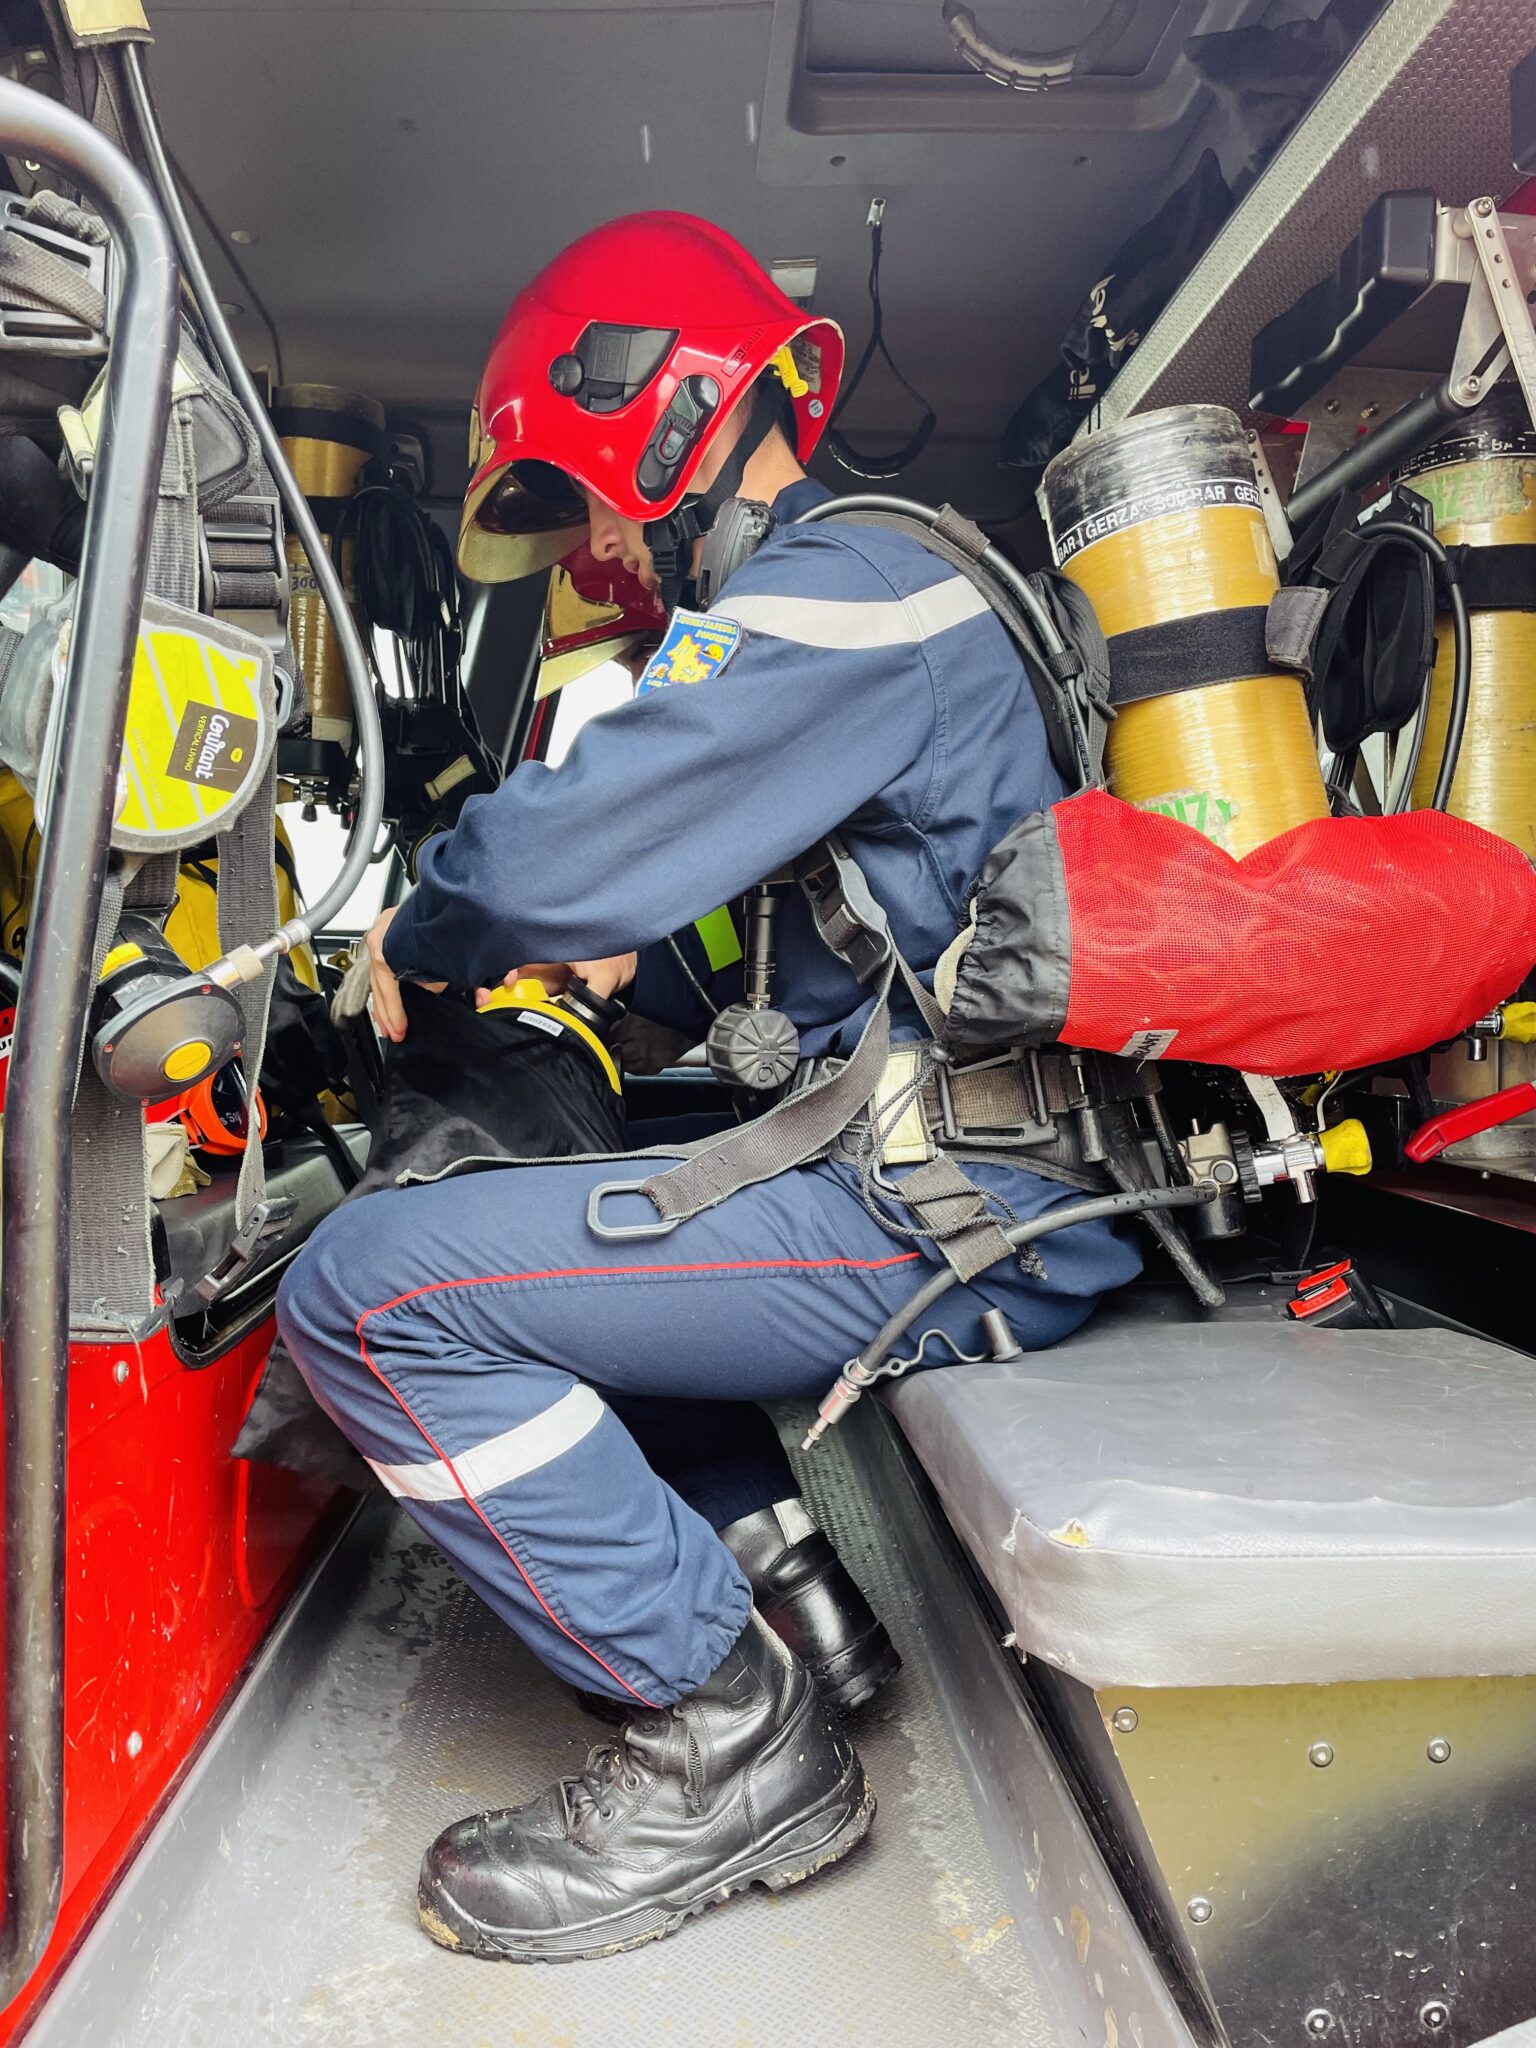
(1176, 358)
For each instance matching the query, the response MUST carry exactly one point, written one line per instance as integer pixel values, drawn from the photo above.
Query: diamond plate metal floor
(296, 1922)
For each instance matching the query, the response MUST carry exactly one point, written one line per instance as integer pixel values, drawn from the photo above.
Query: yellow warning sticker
(199, 729)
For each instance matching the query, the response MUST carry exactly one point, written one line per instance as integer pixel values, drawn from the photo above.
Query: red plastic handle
(1431, 1139)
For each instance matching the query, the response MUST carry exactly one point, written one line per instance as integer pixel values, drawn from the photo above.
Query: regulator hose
(1134, 1202)
(861, 1373)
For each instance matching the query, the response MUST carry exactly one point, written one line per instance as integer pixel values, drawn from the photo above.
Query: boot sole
(804, 1847)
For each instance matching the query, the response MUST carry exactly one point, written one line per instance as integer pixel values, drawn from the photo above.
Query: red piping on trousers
(579, 1273)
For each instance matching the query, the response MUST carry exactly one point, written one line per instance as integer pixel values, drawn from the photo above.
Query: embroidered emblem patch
(697, 646)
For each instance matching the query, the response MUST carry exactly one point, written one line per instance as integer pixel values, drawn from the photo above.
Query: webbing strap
(35, 279)
(1499, 579)
(247, 911)
(111, 1268)
(953, 1212)
(794, 1132)
(112, 1285)
(1292, 625)
(1188, 654)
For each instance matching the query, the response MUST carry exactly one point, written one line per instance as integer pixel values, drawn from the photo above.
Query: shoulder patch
(697, 646)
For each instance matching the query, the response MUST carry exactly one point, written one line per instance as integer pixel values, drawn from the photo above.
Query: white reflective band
(831, 622)
(500, 1459)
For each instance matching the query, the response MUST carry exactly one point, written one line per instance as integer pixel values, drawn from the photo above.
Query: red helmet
(617, 367)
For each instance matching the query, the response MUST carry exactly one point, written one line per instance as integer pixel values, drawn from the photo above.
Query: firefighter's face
(617, 539)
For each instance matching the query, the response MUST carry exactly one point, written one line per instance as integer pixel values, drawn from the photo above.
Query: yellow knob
(187, 1061)
(1519, 1023)
(120, 957)
(521, 995)
(1346, 1148)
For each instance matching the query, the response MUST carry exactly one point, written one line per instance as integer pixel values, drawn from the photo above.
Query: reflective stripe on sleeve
(850, 626)
(500, 1459)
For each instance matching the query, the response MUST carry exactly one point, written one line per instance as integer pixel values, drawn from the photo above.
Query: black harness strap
(1188, 654)
(954, 540)
(1499, 579)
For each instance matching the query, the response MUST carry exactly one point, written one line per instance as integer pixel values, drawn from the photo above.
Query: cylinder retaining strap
(1187, 654)
(1497, 579)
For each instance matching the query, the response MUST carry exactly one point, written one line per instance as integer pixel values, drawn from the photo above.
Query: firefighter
(723, 1457)
(476, 1338)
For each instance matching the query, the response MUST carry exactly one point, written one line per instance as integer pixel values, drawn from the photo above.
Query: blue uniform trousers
(468, 1337)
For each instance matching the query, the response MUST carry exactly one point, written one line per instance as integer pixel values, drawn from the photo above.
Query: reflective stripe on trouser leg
(561, 1523)
(457, 1319)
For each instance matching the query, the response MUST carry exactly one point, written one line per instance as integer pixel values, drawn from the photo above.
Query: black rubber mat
(424, 1708)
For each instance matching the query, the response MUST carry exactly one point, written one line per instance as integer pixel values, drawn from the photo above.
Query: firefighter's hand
(388, 1009)
(603, 977)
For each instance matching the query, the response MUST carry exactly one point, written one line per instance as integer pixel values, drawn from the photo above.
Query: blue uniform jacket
(870, 689)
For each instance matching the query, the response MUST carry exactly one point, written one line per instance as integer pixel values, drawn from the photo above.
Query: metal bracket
(1492, 256)
(1280, 536)
(1499, 302)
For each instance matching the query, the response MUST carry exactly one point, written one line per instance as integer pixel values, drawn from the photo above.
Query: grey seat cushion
(1244, 1503)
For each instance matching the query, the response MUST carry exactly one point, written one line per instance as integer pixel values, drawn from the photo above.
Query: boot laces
(609, 1768)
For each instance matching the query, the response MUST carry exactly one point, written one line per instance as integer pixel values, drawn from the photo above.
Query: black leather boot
(749, 1780)
(806, 1594)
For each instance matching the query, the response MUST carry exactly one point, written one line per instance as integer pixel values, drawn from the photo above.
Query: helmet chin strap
(671, 539)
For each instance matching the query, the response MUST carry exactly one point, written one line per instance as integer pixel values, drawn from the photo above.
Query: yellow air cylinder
(1160, 519)
(327, 434)
(1481, 482)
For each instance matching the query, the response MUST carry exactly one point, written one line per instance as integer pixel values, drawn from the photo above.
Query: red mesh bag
(1343, 943)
